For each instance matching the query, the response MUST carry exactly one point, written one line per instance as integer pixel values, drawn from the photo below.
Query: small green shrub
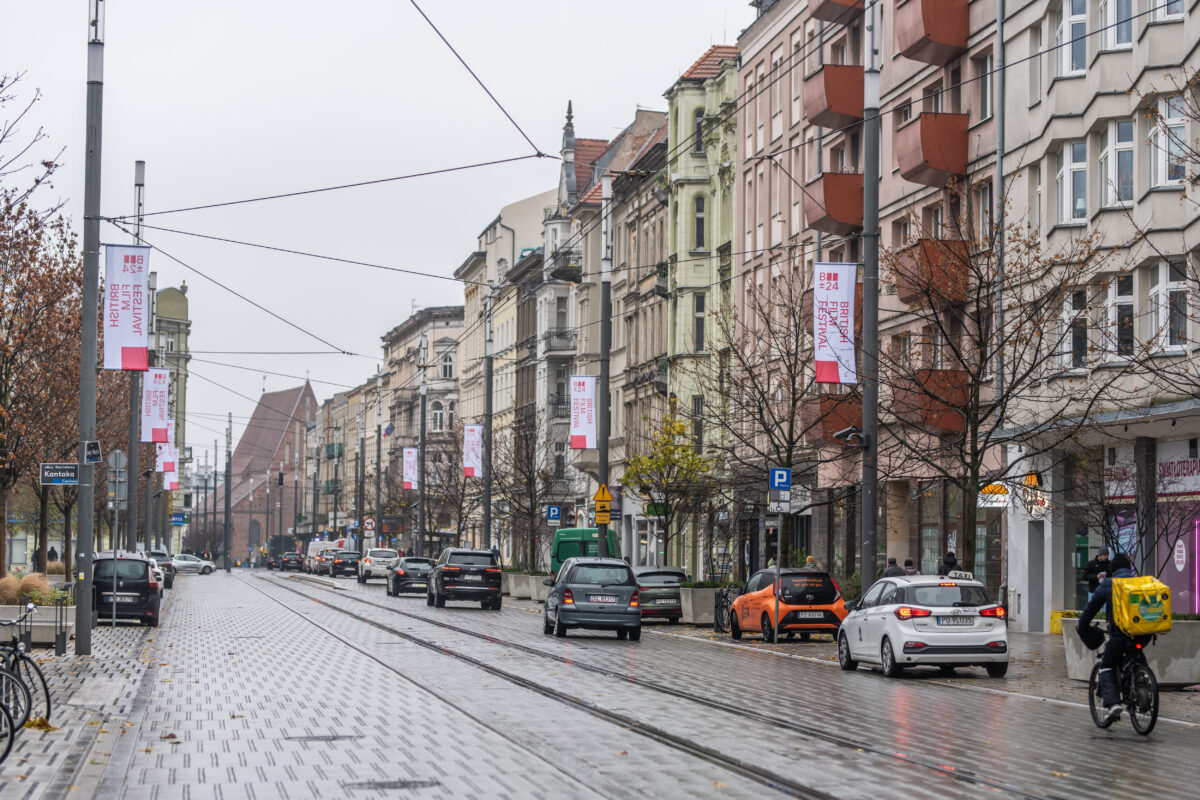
(51, 597)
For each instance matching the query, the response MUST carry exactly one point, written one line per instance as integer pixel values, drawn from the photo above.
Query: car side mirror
(851, 605)
(548, 582)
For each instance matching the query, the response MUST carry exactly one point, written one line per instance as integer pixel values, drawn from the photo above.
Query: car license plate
(810, 615)
(471, 577)
(956, 620)
(121, 598)
(602, 598)
(664, 601)
(418, 585)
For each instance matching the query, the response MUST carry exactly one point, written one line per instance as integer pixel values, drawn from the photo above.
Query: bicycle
(722, 604)
(1139, 691)
(16, 661)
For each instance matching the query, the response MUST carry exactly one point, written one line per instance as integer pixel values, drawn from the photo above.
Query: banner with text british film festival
(473, 451)
(833, 322)
(171, 432)
(411, 472)
(126, 306)
(583, 412)
(155, 388)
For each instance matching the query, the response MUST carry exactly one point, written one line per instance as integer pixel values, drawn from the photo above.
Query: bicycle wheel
(721, 613)
(1143, 699)
(14, 696)
(8, 733)
(1095, 701)
(31, 675)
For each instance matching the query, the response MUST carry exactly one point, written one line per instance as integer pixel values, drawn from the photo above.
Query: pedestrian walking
(496, 553)
(949, 564)
(1096, 570)
(893, 569)
(52, 554)
(909, 569)
(771, 562)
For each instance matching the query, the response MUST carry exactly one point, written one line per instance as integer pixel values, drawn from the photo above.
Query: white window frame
(437, 418)
(1074, 311)
(699, 218)
(1169, 129)
(983, 74)
(1117, 36)
(1120, 302)
(1116, 145)
(1168, 290)
(1070, 166)
(984, 211)
(1071, 37)
(447, 365)
(698, 321)
(698, 130)
(1168, 9)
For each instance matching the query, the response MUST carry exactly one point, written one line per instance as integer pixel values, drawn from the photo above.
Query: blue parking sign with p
(553, 513)
(780, 478)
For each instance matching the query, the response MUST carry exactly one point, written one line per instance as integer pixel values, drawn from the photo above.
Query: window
(933, 222)
(1172, 9)
(447, 365)
(1035, 65)
(933, 98)
(1071, 37)
(450, 415)
(1168, 305)
(983, 70)
(699, 219)
(1035, 179)
(698, 324)
(984, 206)
(1074, 346)
(560, 460)
(1167, 141)
(438, 415)
(1117, 18)
(1120, 315)
(698, 131)
(937, 348)
(170, 343)
(1072, 182)
(1116, 162)
(698, 422)
(904, 113)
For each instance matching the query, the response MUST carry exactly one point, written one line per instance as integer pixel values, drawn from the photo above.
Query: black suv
(462, 574)
(136, 592)
(343, 561)
(291, 561)
(409, 575)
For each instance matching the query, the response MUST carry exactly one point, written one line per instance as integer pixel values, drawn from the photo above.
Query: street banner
(833, 322)
(171, 481)
(583, 412)
(473, 451)
(411, 472)
(126, 307)
(155, 389)
(166, 457)
(171, 432)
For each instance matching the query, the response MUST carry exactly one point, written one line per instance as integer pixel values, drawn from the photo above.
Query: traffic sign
(178, 518)
(59, 474)
(602, 505)
(369, 523)
(91, 452)
(780, 478)
(603, 517)
(602, 495)
(779, 501)
(118, 460)
(554, 516)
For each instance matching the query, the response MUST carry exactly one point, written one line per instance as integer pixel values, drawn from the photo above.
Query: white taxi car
(908, 621)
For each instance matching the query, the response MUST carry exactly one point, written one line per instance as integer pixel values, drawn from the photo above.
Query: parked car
(810, 601)
(156, 570)
(184, 562)
(917, 620)
(343, 562)
(658, 590)
(462, 574)
(375, 563)
(164, 563)
(312, 560)
(126, 580)
(409, 575)
(291, 561)
(594, 593)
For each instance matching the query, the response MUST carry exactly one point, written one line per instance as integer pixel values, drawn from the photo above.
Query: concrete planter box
(43, 622)
(1175, 657)
(505, 583)
(698, 605)
(540, 591)
(519, 585)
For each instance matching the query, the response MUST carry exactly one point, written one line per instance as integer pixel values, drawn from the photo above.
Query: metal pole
(605, 418)
(149, 501)
(135, 380)
(421, 455)
(489, 351)
(378, 532)
(999, 221)
(87, 360)
(360, 478)
(228, 484)
(870, 347)
(267, 527)
(213, 499)
(316, 491)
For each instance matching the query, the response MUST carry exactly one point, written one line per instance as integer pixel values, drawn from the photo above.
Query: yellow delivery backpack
(1141, 605)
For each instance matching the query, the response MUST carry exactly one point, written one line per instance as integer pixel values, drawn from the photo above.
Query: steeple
(568, 192)
(569, 132)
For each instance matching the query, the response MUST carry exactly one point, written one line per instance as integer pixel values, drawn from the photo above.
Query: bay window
(1120, 315)
(1116, 162)
(1117, 18)
(1168, 305)
(1167, 141)
(1071, 37)
(1072, 182)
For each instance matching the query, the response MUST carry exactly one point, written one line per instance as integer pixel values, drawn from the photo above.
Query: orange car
(809, 602)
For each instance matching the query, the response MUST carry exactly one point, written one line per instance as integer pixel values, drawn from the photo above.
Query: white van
(314, 550)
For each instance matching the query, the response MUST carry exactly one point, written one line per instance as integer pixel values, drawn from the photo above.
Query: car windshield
(473, 559)
(126, 570)
(659, 577)
(603, 574)
(419, 563)
(948, 595)
(813, 587)
(382, 554)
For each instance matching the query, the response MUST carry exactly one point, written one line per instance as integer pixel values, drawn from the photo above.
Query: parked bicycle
(724, 600)
(14, 658)
(1139, 692)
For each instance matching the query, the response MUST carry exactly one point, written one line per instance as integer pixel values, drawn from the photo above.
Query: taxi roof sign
(602, 495)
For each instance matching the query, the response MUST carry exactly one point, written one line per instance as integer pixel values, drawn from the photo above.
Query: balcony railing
(932, 31)
(833, 96)
(566, 264)
(932, 272)
(932, 398)
(932, 149)
(823, 415)
(841, 12)
(560, 406)
(559, 339)
(834, 203)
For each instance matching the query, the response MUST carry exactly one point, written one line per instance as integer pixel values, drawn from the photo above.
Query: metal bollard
(61, 609)
(26, 630)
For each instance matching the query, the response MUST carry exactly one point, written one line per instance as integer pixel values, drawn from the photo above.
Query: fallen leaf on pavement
(168, 736)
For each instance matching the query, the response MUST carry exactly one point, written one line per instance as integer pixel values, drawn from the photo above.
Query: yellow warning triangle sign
(602, 496)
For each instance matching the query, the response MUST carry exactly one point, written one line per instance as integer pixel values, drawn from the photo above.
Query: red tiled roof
(659, 135)
(587, 151)
(268, 426)
(592, 195)
(709, 64)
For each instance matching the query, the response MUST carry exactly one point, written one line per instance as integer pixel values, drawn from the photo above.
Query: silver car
(189, 563)
(595, 593)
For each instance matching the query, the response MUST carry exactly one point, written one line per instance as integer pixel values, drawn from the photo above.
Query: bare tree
(525, 480)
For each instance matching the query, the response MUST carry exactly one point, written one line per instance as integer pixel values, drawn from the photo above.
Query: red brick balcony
(833, 96)
(931, 398)
(839, 11)
(834, 203)
(823, 415)
(932, 148)
(932, 272)
(806, 310)
(932, 31)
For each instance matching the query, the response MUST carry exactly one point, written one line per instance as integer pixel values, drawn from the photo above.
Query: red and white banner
(156, 387)
(473, 451)
(166, 457)
(583, 412)
(833, 322)
(411, 471)
(171, 432)
(126, 307)
(170, 481)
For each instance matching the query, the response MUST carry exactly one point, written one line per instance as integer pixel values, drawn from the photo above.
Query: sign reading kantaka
(833, 322)
(126, 285)
(583, 412)
(472, 451)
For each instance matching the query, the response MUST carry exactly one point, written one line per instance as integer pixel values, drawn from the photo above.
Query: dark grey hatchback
(124, 586)
(595, 593)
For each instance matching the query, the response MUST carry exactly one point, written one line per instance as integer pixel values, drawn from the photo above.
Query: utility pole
(489, 351)
(228, 484)
(267, 527)
(279, 507)
(605, 420)
(378, 532)
(213, 498)
(316, 490)
(135, 380)
(337, 486)
(360, 476)
(87, 360)
(870, 348)
(421, 452)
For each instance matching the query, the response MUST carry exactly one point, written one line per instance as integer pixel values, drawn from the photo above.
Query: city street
(260, 685)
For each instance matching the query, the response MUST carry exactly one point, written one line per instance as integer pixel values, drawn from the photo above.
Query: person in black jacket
(1118, 642)
(1096, 569)
(892, 568)
(949, 564)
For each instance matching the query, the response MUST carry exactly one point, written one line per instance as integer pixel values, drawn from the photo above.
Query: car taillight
(337, 561)
(367, 560)
(153, 584)
(449, 568)
(633, 601)
(568, 598)
(994, 611)
(400, 572)
(908, 612)
(492, 569)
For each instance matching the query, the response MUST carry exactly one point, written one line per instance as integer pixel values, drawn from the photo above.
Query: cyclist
(1118, 642)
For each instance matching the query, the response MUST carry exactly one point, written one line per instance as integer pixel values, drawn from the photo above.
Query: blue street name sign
(779, 478)
(178, 518)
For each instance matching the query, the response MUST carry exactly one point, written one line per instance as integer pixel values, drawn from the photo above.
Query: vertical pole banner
(155, 387)
(410, 468)
(171, 432)
(171, 481)
(833, 322)
(166, 457)
(472, 451)
(126, 329)
(583, 412)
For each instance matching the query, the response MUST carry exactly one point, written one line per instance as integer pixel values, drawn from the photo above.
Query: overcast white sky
(229, 99)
